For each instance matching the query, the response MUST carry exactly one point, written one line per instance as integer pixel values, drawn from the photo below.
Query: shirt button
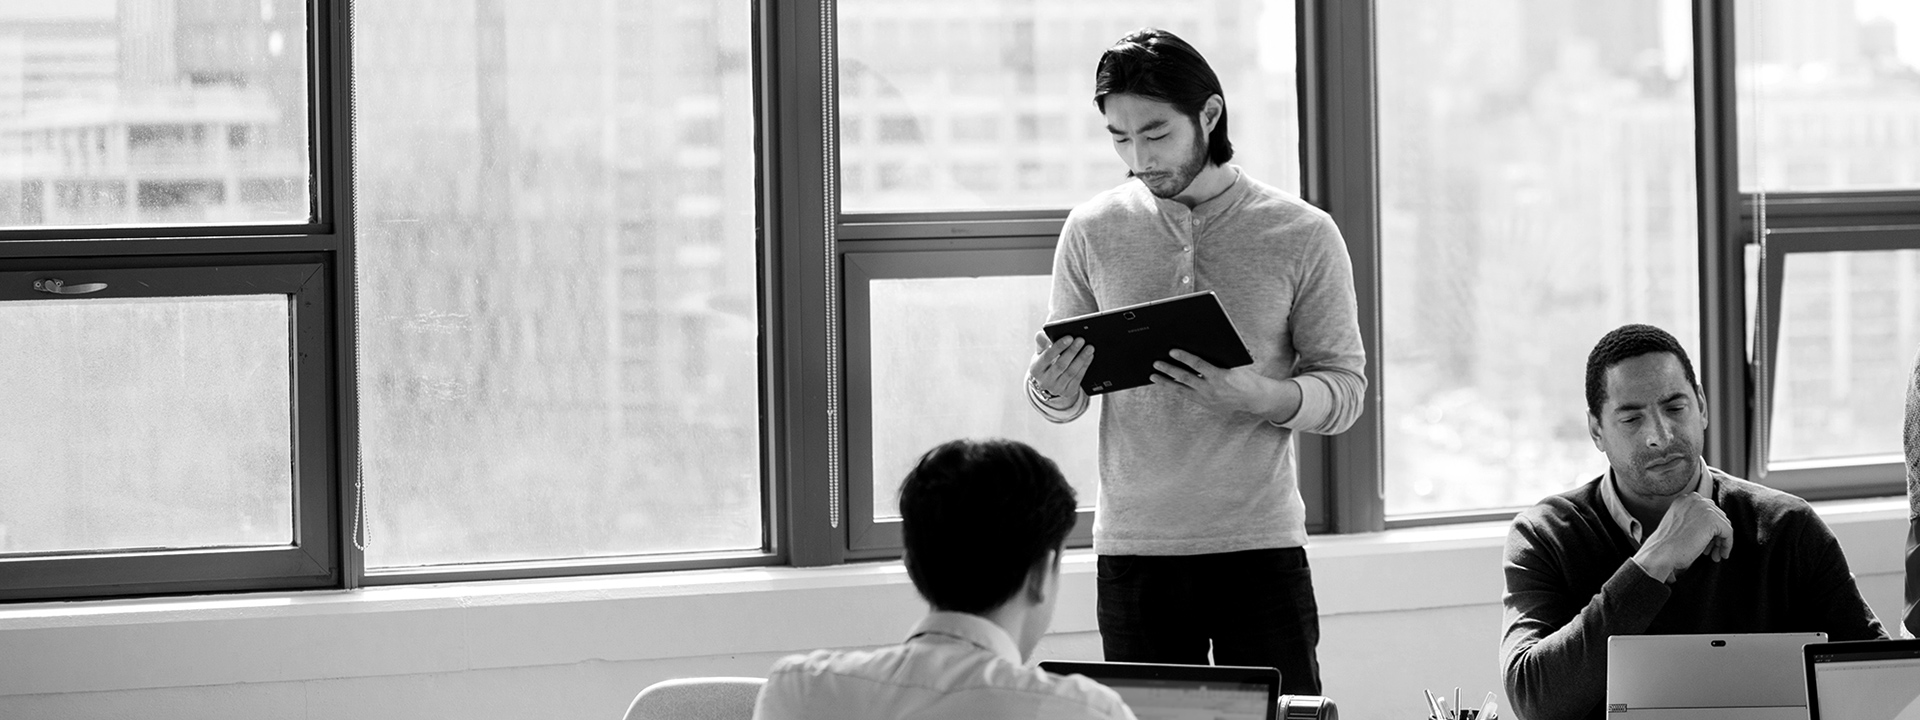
(1186, 248)
(1185, 279)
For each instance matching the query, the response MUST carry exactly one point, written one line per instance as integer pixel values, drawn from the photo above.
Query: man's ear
(1593, 432)
(1036, 588)
(1210, 114)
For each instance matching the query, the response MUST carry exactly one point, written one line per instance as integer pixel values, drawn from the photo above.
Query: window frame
(322, 411)
(868, 536)
(1831, 478)
(310, 561)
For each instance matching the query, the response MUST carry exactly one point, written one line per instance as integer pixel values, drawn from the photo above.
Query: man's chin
(1671, 479)
(1163, 191)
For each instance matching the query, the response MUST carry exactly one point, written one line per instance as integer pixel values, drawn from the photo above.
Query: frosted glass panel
(1828, 94)
(950, 361)
(157, 423)
(153, 112)
(1537, 190)
(985, 105)
(558, 279)
(1849, 330)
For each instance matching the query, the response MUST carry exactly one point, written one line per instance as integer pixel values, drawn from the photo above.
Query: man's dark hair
(1625, 343)
(1157, 65)
(979, 518)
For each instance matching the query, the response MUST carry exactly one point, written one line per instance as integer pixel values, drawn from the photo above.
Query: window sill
(280, 637)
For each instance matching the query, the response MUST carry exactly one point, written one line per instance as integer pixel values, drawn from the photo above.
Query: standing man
(1200, 526)
(1661, 544)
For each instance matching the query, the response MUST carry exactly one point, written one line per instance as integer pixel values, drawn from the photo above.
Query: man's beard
(1169, 183)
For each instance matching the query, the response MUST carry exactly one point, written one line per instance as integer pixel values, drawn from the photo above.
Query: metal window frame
(311, 560)
(323, 410)
(869, 537)
(1838, 477)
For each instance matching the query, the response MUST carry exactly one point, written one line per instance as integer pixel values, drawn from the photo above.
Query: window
(167, 294)
(1021, 77)
(1829, 138)
(1828, 97)
(620, 333)
(1537, 190)
(945, 357)
(166, 429)
(128, 97)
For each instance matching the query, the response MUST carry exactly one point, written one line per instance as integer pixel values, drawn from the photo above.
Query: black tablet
(1127, 341)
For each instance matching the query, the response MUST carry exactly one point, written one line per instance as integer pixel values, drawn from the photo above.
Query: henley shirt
(1177, 477)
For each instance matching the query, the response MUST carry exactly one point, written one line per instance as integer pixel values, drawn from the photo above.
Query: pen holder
(1443, 707)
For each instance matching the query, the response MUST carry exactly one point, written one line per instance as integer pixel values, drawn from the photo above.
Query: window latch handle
(56, 286)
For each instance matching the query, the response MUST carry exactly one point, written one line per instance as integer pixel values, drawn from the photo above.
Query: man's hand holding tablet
(1057, 369)
(1238, 389)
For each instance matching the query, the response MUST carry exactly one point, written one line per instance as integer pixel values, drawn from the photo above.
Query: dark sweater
(1570, 587)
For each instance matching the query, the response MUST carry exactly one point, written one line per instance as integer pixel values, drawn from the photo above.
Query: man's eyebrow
(1663, 401)
(1149, 127)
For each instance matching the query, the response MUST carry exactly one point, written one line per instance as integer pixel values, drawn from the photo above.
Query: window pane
(1828, 94)
(1537, 188)
(974, 336)
(155, 423)
(1849, 328)
(558, 283)
(153, 112)
(966, 106)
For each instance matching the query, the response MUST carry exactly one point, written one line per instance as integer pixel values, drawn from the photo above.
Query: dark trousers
(1253, 608)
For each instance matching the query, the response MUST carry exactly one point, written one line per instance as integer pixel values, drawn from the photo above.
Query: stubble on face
(1166, 184)
(1652, 383)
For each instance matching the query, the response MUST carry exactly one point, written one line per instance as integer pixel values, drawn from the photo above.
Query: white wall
(1400, 611)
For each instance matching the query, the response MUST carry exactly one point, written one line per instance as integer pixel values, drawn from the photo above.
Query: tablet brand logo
(1142, 328)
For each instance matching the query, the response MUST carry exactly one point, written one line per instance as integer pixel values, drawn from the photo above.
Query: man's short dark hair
(1157, 65)
(979, 517)
(1625, 343)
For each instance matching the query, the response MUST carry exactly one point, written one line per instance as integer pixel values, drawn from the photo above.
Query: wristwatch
(1040, 392)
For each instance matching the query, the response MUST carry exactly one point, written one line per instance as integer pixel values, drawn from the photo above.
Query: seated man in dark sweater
(1660, 544)
(1912, 443)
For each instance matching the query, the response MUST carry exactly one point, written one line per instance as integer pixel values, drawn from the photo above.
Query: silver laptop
(1178, 692)
(1757, 676)
(1864, 680)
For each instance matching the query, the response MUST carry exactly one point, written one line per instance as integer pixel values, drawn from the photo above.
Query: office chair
(705, 698)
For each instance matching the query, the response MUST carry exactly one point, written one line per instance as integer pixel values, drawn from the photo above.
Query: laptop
(1178, 692)
(1127, 341)
(1863, 680)
(1755, 676)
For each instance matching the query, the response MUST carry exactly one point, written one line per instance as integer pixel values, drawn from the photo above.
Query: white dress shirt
(952, 666)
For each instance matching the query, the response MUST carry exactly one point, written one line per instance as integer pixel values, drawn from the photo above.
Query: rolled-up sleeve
(1329, 359)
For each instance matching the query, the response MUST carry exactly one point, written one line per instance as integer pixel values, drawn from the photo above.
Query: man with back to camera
(1200, 527)
(1661, 544)
(984, 524)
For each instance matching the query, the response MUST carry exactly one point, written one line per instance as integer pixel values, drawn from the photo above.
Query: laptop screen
(1872, 680)
(1184, 692)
